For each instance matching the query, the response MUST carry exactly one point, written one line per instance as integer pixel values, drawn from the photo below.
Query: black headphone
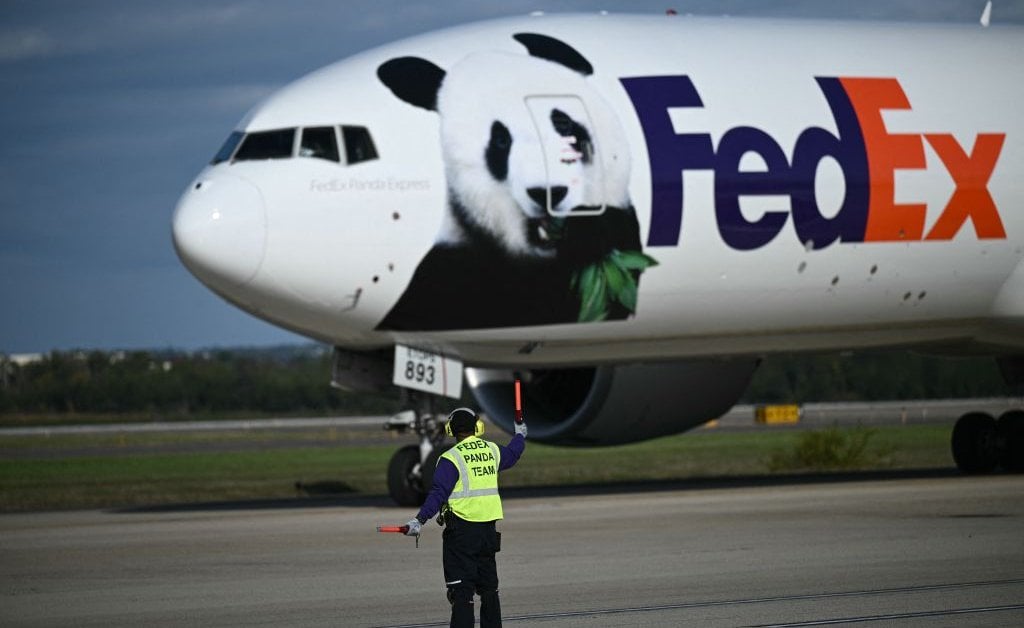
(478, 429)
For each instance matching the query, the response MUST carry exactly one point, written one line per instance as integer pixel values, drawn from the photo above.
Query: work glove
(521, 428)
(414, 527)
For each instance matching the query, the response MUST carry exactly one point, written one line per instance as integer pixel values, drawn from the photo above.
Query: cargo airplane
(629, 212)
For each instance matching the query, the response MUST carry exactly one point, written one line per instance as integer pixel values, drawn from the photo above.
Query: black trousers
(470, 567)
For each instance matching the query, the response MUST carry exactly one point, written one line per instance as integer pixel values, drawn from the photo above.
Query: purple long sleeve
(446, 475)
(510, 455)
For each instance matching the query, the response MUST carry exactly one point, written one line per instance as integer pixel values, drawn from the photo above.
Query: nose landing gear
(411, 469)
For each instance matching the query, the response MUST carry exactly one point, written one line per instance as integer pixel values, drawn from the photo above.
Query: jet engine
(615, 404)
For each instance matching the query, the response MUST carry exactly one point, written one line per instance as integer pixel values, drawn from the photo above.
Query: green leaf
(616, 278)
(611, 280)
(633, 260)
(588, 281)
(616, 258)
(593, 295)
(628, 296)
(556, 228)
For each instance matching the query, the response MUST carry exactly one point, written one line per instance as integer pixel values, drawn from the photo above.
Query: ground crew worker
(465, 491)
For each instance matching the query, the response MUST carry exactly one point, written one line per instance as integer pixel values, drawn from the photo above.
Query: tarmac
(935, 549)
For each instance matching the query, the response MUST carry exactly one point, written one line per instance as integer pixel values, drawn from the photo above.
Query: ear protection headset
(478, 428)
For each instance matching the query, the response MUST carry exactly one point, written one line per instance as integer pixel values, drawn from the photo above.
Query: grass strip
(161, 478)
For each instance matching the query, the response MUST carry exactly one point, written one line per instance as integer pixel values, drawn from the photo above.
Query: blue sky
(110, 108)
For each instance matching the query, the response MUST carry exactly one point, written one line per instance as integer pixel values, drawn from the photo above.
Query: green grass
(108, 481)
(74, 482)
(711, 454)
(827, 450)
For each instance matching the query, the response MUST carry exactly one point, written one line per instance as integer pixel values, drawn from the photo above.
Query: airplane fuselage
(796, 186)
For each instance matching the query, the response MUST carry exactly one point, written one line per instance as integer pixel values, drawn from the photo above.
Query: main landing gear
(411, 470)
(981, 444)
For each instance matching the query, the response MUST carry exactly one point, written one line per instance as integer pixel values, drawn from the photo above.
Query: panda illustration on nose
(540, 229)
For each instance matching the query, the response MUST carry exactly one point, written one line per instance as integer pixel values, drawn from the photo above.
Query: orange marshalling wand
(519, 403)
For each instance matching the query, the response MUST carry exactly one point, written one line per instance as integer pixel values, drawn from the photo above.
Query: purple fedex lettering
(731, 183)
(848, 150)
(671, 154)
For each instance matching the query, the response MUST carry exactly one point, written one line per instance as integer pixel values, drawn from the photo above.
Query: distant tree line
(877, 376)
(169, 385)
(293, 381)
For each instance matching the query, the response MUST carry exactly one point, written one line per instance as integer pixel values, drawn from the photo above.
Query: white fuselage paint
(333, 246)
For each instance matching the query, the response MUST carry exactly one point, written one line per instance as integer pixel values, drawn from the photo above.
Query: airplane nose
(220, 230)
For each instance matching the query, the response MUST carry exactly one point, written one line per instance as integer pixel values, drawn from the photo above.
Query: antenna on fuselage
(986, 14)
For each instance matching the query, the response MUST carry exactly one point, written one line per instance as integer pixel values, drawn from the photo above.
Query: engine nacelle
(611, 405)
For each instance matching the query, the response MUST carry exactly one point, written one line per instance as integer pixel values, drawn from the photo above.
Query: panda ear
(412, 79)
(552, 49)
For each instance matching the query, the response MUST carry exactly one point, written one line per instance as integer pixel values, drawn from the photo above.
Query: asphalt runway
(925, 551)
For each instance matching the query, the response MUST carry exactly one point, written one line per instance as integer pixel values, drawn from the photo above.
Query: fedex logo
(866, 152)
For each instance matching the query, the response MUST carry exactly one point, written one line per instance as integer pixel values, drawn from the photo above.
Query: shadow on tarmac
(313, 500)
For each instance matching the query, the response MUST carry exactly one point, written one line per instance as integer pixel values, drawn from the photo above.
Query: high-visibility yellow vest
(475, 496)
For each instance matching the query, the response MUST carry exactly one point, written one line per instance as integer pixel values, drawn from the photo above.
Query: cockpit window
(228, 148)
(267, 145)
(321, 142)
(358, 144)
(317, 141)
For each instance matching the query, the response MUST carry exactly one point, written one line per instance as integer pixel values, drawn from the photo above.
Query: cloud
(25, 44)
(114, 26)
(198, 17)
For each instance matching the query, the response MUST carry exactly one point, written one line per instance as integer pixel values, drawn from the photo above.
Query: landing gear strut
(411, 469)
(982, 444)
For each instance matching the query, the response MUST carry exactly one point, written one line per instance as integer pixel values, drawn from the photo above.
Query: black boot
(490, 610)
(463, 615)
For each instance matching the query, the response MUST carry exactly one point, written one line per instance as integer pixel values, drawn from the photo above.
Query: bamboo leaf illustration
(633, 260)
(588, 279)
(610, 280)
(617, 278)
(628, 295)
(594, 294)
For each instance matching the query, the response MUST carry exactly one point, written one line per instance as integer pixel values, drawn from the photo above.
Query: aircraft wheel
(1010, 430)
(974, 443)
(403, 487)
(427, 472)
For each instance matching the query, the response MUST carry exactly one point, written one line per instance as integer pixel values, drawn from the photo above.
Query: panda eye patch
(567, 127)
(562, 122)
(498, 149)
(500, 136)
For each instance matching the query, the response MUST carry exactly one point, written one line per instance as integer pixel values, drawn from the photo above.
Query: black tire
(427, 472)
(1010, 430)
(405, 489)
(974, 443)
